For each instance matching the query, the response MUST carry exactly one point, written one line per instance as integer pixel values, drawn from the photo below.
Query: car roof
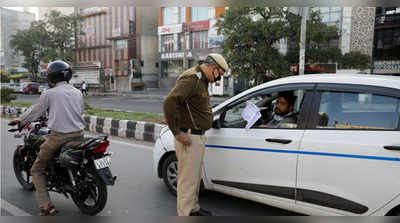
(338, 78)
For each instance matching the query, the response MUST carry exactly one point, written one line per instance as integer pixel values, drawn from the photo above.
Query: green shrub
(355, 60)
(6, 95)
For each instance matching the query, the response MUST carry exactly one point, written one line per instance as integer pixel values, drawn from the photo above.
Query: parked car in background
(17, 88)
(5, 85)
(30, 88)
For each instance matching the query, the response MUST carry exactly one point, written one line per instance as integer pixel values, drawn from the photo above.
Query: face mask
(217, 78)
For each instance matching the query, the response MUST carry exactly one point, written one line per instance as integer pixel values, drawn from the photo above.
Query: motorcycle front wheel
(22, 170)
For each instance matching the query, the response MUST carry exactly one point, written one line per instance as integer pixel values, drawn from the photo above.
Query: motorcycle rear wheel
(91, 199)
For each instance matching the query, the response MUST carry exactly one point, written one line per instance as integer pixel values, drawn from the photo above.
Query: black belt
(193, 131)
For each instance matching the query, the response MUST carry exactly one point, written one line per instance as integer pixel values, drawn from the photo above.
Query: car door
(257, 163)
(349, 162)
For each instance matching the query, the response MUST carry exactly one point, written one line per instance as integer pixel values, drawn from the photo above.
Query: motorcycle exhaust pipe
(71, 177)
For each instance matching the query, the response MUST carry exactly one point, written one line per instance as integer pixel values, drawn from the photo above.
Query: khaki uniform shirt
(188, 100)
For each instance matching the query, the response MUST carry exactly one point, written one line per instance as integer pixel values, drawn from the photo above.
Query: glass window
(388, 39)
(345, 110)
(167, 43)
(324, 9)
(272, 111)
(199, 13)
(180, 41)
(182, 14)
(121, 44)
(200, 40)
(172, 68)
(335, 17)
(325, 18)
(168, 15)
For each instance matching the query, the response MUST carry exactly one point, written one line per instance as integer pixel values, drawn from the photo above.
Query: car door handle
(392, 147)
(283, 141)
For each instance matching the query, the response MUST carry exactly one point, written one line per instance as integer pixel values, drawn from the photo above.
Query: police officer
(188, 114)
(65, 106)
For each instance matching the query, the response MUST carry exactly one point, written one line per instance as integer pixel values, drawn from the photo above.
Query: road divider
(138, 130)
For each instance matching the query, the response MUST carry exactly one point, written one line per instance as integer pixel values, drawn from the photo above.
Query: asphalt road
(137, 191)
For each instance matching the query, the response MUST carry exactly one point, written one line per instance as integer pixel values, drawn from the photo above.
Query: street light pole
(185, 53)
(303, 39)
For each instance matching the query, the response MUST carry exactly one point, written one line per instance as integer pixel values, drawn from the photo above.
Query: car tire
(170, 174)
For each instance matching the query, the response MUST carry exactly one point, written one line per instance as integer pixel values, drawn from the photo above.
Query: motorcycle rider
(65, 106)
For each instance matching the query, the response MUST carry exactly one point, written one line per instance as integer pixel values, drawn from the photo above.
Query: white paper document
(251, 114)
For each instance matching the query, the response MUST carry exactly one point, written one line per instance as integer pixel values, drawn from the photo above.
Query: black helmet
(58, 71)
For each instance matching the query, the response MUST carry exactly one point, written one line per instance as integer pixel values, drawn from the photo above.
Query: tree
(4, 78)
(355, 60)
(250, 37)
(318, 37)
(253, 34)
(61, 29)
(47, 40)
(31, 43)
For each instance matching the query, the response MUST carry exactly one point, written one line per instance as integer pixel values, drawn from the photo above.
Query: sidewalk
(150, 94)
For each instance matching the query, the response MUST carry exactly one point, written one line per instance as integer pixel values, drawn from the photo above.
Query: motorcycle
(81, 169)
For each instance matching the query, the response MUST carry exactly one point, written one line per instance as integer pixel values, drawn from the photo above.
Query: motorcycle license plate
(103, 162)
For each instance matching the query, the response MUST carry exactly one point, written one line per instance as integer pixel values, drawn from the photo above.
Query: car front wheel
(170, 173)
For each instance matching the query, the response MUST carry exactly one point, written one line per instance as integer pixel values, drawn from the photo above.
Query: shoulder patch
(198, 75)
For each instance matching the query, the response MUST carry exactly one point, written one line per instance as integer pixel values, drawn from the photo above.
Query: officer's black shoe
(201, 212)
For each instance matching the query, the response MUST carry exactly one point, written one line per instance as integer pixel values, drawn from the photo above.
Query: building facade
(201, 39)
(113, 38)
(355, 25)
(10, 22)
(386, 48)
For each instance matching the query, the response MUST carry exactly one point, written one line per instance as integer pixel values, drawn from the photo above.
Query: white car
(341, 157)
(17, 87)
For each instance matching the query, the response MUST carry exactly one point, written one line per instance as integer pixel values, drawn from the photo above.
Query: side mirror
(215, 105)
(216, 124)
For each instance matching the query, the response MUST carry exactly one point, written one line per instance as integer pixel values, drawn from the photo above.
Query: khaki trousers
(190, 161)
(47, 151)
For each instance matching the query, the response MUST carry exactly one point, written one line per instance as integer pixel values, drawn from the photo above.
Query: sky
(34, 10)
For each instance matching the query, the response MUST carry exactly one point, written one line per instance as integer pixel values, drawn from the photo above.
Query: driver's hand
(14, 122)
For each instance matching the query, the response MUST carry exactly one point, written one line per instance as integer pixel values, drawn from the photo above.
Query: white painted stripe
(107, 126)
(122, 128)
(15, 211)
(93, 123)
(139, 130)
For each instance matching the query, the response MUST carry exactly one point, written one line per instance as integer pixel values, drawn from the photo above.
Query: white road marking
(15, 211)
(132, 144)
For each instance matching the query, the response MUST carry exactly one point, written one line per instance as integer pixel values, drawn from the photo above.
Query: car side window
(346, 110)
(264, 111)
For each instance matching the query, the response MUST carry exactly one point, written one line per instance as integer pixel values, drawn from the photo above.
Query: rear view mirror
(216, 124)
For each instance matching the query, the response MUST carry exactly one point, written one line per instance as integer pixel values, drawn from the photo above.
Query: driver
(284, 110)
